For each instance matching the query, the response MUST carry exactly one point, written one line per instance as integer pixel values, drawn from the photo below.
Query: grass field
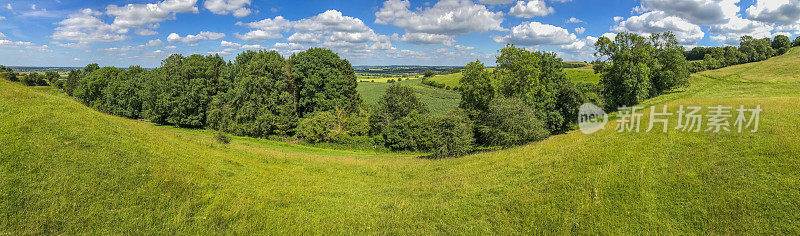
(382, 79)
(576, 75)
(67, 169)
(438, 100)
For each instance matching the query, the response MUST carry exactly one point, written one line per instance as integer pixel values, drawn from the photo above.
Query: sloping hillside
(69, 169)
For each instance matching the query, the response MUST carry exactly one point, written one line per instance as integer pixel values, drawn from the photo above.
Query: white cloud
(9, 7)
(535, 33)
(449, 17)
(618, 18)
(426, 38)
(580, 30)
(774, 11)
(659, 22)
(84, 27)
(259, 36)
(574, 20)
(76, 59)
(33, 7)
(154, 43)
(331, 20)
(145, 32)
(731, 32)
(205, 35)
(223, 7)
(2, 17)
(496, 2)
(140, 15)
(530, 9)
(304, 38)
(276, 24)
(700, 12)
(2, 35)
(464, 48)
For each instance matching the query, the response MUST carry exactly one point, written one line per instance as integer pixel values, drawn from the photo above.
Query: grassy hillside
(68, 169)
(574, 74)
(438, 100)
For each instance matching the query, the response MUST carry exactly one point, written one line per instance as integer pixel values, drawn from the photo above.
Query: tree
(452, 134)
(8, 73)
(51, 76)
(399, 101)
(179, 93)
(89, 89)
(509, 121)
(477, 91)
(33, 79)
(122, 94)
(781, 44)
(796, 42)
(323, 81)
(73, 78)
(91, 68)
(636, 68)
(429, 73)
(333, 126)
(260, 101)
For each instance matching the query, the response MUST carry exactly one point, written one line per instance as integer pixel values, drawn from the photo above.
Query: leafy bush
(333, 126)
(452, 134)
(409, 132)
(509, 121)
(222, 137)
(477, 91)
(51, 76)
(429, 73)
(796, 42)
(10, 75)
(33, 79)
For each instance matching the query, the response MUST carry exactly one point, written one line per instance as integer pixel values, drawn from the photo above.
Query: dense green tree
(34, 79)
(476, 88)
(180, 91)
(89, 89)
(333, 126)
(796, 42)
(509, 121)
(8, 73)
(409, 132)
(636, 68)
(122, 95)
(260, 101)
(90, 68)
(451, 134)
(429, 73)
(323, 81)
(398, 101)
(51, 76)
(781, 44)
(73, 78)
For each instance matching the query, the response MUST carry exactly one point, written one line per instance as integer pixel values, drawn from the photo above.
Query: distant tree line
(749, 50)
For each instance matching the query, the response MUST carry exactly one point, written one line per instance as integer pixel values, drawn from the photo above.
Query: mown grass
(67, 169)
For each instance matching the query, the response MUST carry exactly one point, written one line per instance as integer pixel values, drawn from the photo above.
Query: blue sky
(366, 32)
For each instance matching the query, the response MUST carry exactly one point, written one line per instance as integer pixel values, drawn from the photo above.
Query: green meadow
(69, 169)
(574, 74)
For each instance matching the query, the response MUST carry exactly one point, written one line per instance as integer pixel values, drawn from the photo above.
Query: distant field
(438, 100)
(384, 79)
(575, 74)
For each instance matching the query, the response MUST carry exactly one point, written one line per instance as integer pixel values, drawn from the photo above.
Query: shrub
(398, 101)
(11, 76)
(222, 137)
(509, 121)
(429, 73)
(452, 134)
(333, 126)
(796, 42)
(33, 79)
(51, 76)
(410, 132)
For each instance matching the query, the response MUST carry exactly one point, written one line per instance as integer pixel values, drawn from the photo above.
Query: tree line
(749, 50)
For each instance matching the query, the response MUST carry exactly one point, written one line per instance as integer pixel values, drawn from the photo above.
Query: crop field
(574, 74)
(69, 169)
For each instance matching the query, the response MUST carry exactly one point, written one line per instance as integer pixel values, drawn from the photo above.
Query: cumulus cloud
(700, 12)
(223, 7)
(530, 9)
(4, 43)
(731, 32)
(259, 36)
(84, 27)
(2, 35)
(448, 17)
(660, 22)
(574, 20)
(426, 38)
(154, 43)
(464, 48)
(205, 35)
(140, 15)
(775, 11)
(496, 2)
(580, 30)
(535, 33)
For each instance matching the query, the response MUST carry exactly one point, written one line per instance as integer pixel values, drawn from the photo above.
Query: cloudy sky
(367, 32)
